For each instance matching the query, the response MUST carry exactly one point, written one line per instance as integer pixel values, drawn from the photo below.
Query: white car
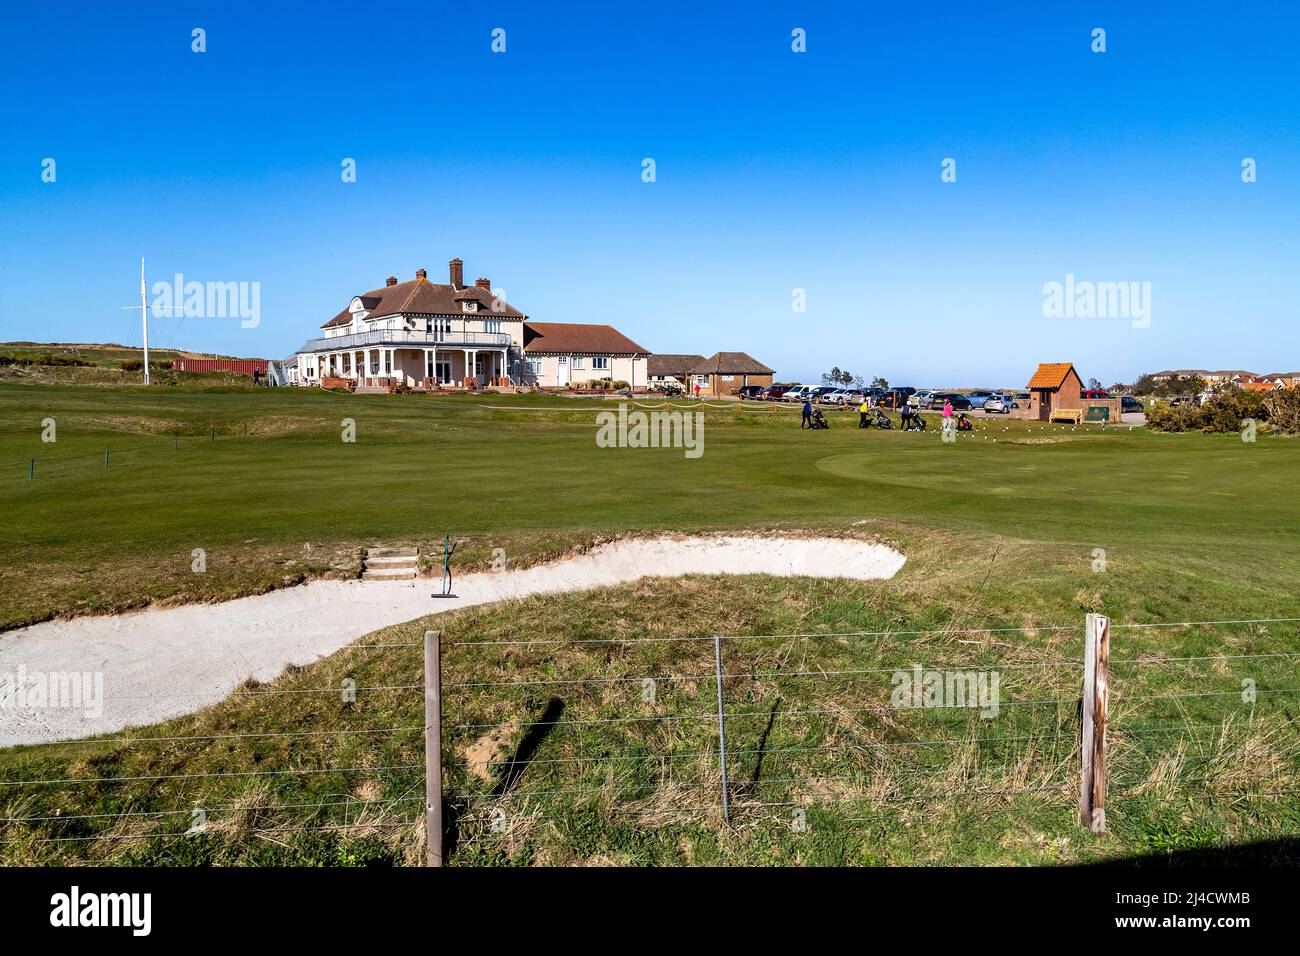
(800, 393)
(996, 404)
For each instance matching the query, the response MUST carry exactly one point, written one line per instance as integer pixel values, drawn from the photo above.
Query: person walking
(806, 422)
(947, 410)
(862, 413)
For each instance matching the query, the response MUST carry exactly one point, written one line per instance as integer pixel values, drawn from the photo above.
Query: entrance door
(562, 370)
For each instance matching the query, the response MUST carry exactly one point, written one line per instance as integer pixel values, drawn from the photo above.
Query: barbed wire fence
(730, 732)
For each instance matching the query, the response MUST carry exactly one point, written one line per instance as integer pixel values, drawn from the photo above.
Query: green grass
(998, 533)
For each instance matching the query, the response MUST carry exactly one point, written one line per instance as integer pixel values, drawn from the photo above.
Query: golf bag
(964, 424)
(914, 423)
(882, 420)
(819, 420)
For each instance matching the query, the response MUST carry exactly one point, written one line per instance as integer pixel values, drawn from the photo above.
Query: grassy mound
(558, 751)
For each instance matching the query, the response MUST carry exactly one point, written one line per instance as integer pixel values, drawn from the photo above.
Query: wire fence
(723, 733)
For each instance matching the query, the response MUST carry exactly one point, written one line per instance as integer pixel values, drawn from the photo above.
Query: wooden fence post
(1095, 709)
(433, 747)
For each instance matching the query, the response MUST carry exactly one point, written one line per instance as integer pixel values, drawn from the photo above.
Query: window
(701, 380)
(534, 367)
(728, 378)
(469, 306)
(492, 325)
(440, 327)
(577, 361)
(600, 361)
(562, 359)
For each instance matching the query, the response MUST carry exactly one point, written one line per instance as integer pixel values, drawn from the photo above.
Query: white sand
(162, 663)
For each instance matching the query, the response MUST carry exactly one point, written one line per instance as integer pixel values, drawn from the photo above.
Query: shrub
(1228, 408)
(1283, 410)
(1174, 418)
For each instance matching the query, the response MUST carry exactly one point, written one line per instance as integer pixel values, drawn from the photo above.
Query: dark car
(958, 402)
(1127, 403)
(772, 392)
(752, 392)
(898, 397)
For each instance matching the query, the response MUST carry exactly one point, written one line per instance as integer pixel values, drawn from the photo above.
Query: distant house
(671, 369)
(564, 354)
(726, 373)
(1262, 385)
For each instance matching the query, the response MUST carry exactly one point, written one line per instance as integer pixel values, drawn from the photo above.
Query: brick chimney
(421, 274)
(457, 273)
(392, 280)
(483, 283)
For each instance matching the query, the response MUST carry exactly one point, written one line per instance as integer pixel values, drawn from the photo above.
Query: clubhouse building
(424, 334)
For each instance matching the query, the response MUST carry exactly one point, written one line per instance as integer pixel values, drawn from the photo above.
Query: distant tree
(859, 382)
(837, 377)
(1094, 384)
(880, 382)
(1145, 385)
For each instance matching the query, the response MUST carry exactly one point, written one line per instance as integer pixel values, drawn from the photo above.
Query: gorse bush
(1283, 410)
(1224, 412)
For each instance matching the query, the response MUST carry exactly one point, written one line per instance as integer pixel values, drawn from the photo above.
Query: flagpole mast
(144, 319)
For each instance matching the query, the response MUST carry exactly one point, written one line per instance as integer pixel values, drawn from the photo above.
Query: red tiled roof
(422, 297)
(567, 337)
(1051, 375)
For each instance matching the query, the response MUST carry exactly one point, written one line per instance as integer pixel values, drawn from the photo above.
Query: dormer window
(358, 309)
(469, 305)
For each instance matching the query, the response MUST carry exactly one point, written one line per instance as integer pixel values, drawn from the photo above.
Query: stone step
(393, 553)
(395, 561)
(389, 574)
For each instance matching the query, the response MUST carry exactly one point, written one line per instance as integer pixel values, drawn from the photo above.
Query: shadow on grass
(514, 769)
(1282, 851)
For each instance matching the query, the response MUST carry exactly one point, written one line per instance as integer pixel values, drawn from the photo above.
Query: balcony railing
(357, 340)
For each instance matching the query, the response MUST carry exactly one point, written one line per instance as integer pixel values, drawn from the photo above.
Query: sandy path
(156, 664)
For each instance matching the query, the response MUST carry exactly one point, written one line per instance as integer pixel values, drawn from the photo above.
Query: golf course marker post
(1096, 701)
(722, 731)
(433, 747)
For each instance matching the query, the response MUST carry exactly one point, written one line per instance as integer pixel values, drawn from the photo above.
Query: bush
(1224, 412)
(1283, 410)
(1173, 418)
(131, 365)
(1227, 409)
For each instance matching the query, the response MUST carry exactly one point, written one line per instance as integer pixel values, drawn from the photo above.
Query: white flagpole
(144, 318)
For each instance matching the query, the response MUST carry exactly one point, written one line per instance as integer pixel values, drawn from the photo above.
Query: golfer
(862, 414)
(947, 410)
(806, 422)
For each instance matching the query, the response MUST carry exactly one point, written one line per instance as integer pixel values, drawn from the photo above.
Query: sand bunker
(163, 663)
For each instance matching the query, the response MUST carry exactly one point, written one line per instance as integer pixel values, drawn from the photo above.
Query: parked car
(1020, 397)
(997, 405)
(773, 392)
(1127, 403)
(853, 396)
(898, 397)
(923, 398)
(799, 393)
(821, 391)
(979, 397)
(835, 397)
(751, 392)
(1093, 393)
(959, 402)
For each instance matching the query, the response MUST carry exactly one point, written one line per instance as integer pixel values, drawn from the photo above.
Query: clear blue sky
(775, 171)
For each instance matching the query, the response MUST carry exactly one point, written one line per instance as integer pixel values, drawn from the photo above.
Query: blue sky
(775, 171)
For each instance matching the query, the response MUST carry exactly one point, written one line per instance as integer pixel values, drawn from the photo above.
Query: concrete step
(389, 574)
(372, 562)
(392, 553)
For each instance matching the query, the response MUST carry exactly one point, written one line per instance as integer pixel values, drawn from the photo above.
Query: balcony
(400, 337)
